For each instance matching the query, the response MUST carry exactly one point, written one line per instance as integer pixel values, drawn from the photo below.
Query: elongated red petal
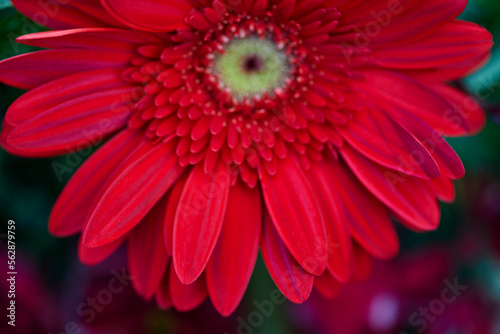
(444, 189)
(404, 194)
(296, 215)
(381, 139)
(73, 125)
(147, 256)
(68, 215)
(468, 107)
(292, 280)
(336, 226)
(163, 297)
(447, 160)
(86, 38)
(186, 297)
(363, 264)
(144, 178)
(234, 256)
(365, 215)
(327, 285)
(426, 16)
(403, 91)
(61, 91)
(198, 220)
(453, 44)
(31, 70)
(172, 205)
(149, 15)
(65, 14)
(93, 256)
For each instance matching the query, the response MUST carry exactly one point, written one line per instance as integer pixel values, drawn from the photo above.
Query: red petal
(455, 71)
(187, 297)
(426, 16)
(468, 107)
(233, 258)
(198, 220)
(149, 15)
(30, 70)
(384, 141)
(370, 226)
(172, 205)
(363, 264)
(444, 189)
(7, 128)
(296, 215)
(447, 160)
(337, 228)
(142, 180)
(62, 90)
(87, 38)
(404, 92)
(404, 194)
(327, 285)
(293, 281)
(75, 202)
(65, 14)
(93, 256)
(73, 125)
(455, 43)
(147, 256)
(163, 297)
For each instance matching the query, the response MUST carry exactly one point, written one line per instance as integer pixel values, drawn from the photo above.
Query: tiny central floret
(250, 67)
(253, 64)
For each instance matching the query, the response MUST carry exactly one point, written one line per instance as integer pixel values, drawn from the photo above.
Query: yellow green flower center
(250, 67)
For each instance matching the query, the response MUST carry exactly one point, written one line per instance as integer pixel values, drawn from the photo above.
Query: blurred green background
(29, 188)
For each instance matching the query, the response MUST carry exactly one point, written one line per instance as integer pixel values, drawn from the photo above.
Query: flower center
(245, 89)
(250, 67)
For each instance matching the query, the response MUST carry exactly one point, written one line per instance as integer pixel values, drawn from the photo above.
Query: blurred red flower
(416, 293)
(94, 308)
(34, 306)
(293, 125)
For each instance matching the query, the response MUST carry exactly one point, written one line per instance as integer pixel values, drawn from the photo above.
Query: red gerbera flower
(300, 126)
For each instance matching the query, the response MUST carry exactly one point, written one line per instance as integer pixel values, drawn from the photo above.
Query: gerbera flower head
(298, 127)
